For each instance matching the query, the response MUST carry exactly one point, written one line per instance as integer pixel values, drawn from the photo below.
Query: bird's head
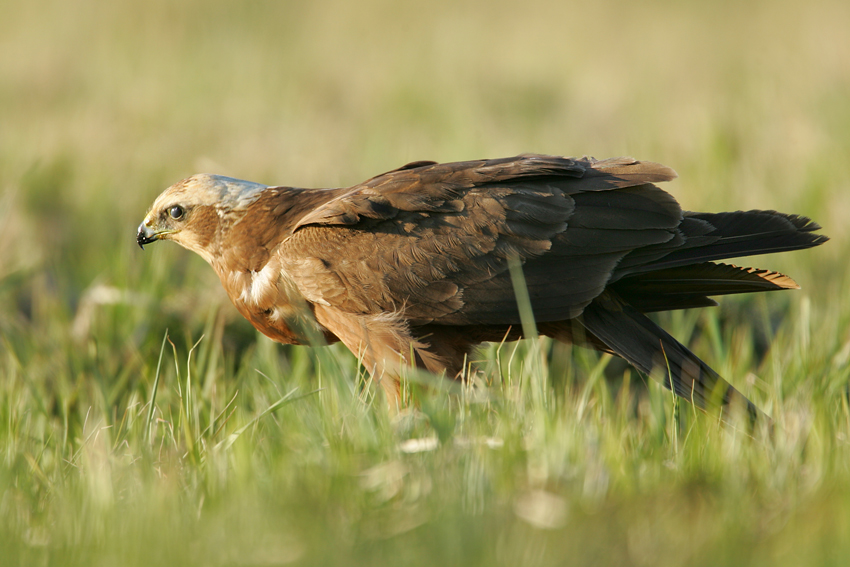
(191, 211)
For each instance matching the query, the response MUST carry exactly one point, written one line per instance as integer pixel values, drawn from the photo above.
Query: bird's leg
(382, 343)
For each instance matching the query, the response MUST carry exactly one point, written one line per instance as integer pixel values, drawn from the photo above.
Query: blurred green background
(104, 104)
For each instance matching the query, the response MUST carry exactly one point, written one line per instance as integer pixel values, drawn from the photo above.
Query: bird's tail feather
(649, 348)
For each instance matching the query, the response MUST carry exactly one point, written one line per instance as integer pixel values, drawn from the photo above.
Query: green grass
(237, 451)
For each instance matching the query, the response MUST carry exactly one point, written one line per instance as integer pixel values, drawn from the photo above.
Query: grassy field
(142, 422)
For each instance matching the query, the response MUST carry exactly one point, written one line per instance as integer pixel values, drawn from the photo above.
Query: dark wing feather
(436, 239)
(713, 236)
(690, 286)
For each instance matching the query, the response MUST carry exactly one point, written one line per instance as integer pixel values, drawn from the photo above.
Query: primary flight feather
(412, 267)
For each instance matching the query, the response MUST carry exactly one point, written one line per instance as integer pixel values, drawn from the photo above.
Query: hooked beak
(146, 236)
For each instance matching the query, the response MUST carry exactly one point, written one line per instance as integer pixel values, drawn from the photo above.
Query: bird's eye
(176, 212)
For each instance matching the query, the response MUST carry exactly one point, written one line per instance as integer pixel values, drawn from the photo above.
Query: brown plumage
(412, 266)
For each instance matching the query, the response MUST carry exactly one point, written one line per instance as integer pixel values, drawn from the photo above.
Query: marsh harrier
(413, 267)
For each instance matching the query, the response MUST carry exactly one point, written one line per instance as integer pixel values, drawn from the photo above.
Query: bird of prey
(413, 267)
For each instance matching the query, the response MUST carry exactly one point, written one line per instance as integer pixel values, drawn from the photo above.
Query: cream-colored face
(190, 211)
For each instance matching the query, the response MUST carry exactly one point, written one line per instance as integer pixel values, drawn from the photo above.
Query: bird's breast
(271, 301)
